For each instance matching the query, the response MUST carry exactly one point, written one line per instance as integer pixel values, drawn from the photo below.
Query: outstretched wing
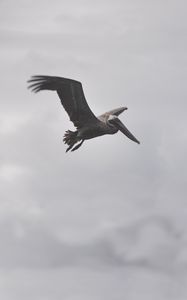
(71, 95)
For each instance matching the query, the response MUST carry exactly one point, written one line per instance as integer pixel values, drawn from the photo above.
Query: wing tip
(36, 82)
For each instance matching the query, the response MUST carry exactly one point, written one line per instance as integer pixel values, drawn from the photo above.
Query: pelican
(74, 102)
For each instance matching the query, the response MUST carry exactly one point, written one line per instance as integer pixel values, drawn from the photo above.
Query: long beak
(124, 130)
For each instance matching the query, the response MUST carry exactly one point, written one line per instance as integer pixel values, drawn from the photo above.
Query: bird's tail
(70, 138)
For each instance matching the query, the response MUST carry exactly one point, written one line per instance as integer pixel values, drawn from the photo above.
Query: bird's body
(73, 100)
(94, 130)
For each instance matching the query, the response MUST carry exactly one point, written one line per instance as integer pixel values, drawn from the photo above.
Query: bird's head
(111, 118)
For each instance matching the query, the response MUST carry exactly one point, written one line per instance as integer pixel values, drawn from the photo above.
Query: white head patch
(112, 117)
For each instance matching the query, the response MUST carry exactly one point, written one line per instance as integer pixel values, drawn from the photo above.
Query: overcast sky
(112, 205)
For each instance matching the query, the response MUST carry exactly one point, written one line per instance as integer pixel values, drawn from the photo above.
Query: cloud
(11, 172)
(109, 220)
(152, 242)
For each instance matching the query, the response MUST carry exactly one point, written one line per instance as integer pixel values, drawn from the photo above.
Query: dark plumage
(73, 100)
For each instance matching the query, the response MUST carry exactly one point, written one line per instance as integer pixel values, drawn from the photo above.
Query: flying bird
(74, 102)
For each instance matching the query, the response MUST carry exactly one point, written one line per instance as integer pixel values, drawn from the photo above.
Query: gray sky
(111, 204)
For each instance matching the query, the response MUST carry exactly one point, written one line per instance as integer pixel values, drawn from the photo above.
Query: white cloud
(11, 122)
(9, 172)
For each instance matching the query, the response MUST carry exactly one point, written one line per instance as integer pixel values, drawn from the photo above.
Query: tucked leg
(77, 146)
(71, 146)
